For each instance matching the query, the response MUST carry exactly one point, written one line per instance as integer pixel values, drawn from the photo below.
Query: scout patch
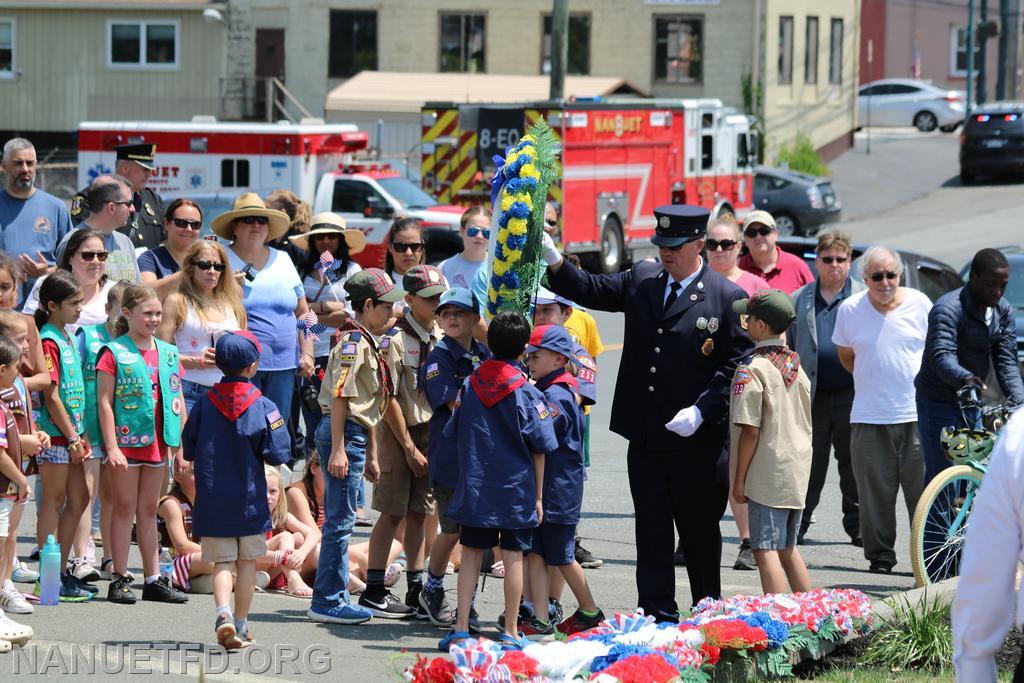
(385, 343)
(742, 377)
(743, 321)
(49, 363)
(554, 410)
(542, 409)
(144, 440)
(586, 361)
(76, 205)
(713, 325)
(342, 378)
(124, 429)
(587, 375)
(126, 358)
(737, 389)
(175, 382)
(170, 357)
(176, 405)
(348, 352)
(708, 346)
(433, 371)
(275, 420)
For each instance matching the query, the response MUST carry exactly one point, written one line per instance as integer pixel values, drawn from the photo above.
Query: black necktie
(673, 295)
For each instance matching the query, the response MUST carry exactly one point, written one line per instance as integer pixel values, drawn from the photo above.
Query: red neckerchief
(788, 362)
(494, 380)
(233, 398)
(562, 378)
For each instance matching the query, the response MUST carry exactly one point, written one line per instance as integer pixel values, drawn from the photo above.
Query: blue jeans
(331, 586)
(932, 417)
(191, 392)
(278, 386)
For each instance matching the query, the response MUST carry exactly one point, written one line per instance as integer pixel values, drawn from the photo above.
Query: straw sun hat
(250, 204)
(327, 223)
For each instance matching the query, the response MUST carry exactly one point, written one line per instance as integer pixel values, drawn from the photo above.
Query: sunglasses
(186, 224)
(254, 220)
(207, 265)
(473, 232)
(724, 245)
(100, 256)
(888, 275)
(127, 202)
(829, 260)
(414, 247)
(763, 231)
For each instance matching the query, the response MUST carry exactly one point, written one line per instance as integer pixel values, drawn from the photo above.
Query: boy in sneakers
(357, 388)
(502, 427)
(550, 351)
(402, 490)
(231, 432)
(770, 414)
(448, 365)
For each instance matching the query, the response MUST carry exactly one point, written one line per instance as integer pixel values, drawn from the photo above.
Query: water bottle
(49, 572)
(166, 564)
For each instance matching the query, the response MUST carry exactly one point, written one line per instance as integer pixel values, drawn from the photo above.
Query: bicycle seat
(965, 445)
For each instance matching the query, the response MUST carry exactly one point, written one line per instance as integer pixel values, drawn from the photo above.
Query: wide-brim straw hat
(250, 204)
(328, 223)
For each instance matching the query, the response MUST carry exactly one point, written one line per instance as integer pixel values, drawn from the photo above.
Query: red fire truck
(620, 157)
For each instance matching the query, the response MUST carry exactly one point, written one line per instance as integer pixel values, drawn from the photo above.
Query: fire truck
(620, 158)
(213, 162)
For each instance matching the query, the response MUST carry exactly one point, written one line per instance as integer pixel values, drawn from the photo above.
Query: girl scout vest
(134, 407)
(70, 387)
(95, 337)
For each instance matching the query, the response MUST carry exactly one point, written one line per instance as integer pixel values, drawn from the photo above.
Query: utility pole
(970, 54)
(1004, 38)
(559, 48)
(982, 40)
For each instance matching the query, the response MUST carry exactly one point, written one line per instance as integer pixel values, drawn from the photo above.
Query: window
(958, 51)
(6, 48)
(835, 53)
(234, 173)
(742, 150)
(900, 89)
(463, 38)
(353, 43)
(811, 51)
(785, 50)
(354, 196)
(579, 46)
(678, 49)
(142, 44)
(707, 151)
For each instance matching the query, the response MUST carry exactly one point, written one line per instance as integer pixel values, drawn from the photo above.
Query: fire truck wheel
(613, 250)
(786, 224)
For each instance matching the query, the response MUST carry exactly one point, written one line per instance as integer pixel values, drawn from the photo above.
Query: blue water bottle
(49, 573)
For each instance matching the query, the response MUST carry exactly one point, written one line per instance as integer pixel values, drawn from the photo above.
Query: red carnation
(436, 670)
(519, 663)
(642, 669)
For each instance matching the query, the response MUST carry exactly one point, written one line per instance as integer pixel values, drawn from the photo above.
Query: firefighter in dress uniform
(145, 227)
(682, 344)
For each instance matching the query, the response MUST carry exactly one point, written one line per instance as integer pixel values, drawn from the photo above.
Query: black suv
(992, 141)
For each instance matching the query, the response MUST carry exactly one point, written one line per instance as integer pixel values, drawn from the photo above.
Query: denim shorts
(772, 528)
(54, 455)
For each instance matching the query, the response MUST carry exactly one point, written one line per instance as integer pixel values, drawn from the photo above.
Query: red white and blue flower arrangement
(766, 630)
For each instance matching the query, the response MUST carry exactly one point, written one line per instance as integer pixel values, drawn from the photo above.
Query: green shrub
(801, 156)
(915, 637)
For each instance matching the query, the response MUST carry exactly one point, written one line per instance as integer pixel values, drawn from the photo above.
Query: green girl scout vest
(134, 408)
(70, 387)
(94, 338)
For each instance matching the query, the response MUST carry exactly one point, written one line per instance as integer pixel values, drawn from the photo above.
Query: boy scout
(403, 488)
(770, 414)
(356, 389)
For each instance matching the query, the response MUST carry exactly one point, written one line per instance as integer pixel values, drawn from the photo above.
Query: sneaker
(435, 604)
(412, 599)
(524, 616)
(535, 629)
(13, 632)
(161, 591)
(12, 601)
(555, 612)
(22, 574)
(107, 569)
(82, 570)
(579, 622)
(227, 636)
(34, 555)
(88, 587)
(474, 619)
(340, 614)
(71, 590)
(120, 592)
(386, 605)
(586, 558)
(745, 560)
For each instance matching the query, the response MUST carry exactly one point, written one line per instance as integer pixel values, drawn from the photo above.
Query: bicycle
(940, 523)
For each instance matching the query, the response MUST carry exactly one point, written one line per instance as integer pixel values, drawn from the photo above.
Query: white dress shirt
(684, 283)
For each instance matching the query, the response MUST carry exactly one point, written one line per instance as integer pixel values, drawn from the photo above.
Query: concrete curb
(917, 597)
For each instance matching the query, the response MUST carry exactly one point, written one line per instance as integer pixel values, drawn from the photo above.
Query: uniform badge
(587, 375)
(742, 377)
(542, 409)
(743, 321)
(175, 382)
(149, 209)
(664, 222)
(554, 410)
(708, 346)
(275, 420)
(76, 205)
(342, 378)
(176, 405)
(385, 343)
(693, 297)
(702, 323)
(123, 429)
(713, 325)
(133, 440)
(737, 389)
(433, 276)
(433, 371)
(144, 440)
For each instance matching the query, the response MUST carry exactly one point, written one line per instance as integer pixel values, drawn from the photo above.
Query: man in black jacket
(969, 330)
(681, 347)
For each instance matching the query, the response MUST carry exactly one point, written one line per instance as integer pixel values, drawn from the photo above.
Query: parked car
(799, 203)
(910, 102)
(992, 141)
(1014, 291)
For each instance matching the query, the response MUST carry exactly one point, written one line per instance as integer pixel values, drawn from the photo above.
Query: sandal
(5, 647)
(498, 570)
(508, 642)
(445, 644)
(14, 633)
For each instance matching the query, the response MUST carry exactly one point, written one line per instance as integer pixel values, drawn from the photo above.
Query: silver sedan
(908, 102)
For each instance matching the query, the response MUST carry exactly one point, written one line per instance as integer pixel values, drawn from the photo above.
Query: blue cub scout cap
(237, 350)
(460, 297)
(554, 338)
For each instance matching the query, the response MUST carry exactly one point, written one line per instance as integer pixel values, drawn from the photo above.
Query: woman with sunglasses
(406, 248)
(475, 226)
(86, 259)
(160, 267)
(206, 304)
(723, 250)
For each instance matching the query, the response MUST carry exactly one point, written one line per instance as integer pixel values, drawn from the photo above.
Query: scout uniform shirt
(356, 370)
(772, 392)
(564, 470)
(405, 348)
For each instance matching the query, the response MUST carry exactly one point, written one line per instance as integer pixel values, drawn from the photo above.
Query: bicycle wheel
(940, 524)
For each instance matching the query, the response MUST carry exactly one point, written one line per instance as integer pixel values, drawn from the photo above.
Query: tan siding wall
(64, 78)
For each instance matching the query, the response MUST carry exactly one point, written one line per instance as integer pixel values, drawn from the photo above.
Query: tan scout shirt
(778, 473)
(403, 356)
(353, 372)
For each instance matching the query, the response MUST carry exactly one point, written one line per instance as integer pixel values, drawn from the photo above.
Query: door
(269, 64)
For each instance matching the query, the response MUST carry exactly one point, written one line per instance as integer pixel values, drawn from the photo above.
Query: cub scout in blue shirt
(502, 427)
(554, 541)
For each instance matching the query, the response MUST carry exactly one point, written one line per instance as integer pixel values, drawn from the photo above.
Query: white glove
(549, 252)
(686, 422)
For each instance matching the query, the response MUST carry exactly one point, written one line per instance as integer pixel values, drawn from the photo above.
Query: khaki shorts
(229, 549)
(397, 491)
(443, 498)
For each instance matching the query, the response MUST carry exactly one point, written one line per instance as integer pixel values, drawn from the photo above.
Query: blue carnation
(776, 629)
(510, 279)
(499, 253)
(516, 242)
(519, 210)
(503, 219)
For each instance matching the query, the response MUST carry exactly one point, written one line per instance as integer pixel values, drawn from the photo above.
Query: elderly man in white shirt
(986, 603)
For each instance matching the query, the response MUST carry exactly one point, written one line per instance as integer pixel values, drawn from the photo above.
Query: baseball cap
(759, 216)
(460, 297)
(553, 338)
(424, 281)
(770, 305)
(373, 283)
(677, 224)
(546, 296)
(237, 350)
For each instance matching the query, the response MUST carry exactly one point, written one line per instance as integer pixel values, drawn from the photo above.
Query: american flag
(309, 324)
(327, 264)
